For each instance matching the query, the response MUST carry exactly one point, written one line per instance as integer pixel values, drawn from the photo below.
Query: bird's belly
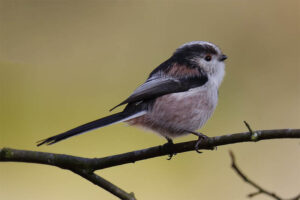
(173, 115)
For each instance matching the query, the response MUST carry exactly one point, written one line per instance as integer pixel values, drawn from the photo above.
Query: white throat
(218, 75)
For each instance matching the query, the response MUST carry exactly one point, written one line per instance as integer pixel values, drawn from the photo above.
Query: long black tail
(115, 118)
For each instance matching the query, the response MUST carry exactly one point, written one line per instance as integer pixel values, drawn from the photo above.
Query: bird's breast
(171, 114)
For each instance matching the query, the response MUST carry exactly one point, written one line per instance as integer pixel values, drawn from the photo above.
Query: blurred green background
(64, 63)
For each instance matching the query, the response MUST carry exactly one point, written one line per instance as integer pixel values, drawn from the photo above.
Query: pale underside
(175, 114)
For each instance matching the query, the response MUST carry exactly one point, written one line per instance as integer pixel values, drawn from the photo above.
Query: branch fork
(85, 167)
(260, 190)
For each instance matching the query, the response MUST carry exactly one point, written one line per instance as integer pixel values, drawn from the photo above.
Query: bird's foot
(201, 138)
(169, 148)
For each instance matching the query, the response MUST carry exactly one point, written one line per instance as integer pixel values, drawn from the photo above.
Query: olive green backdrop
(64, 63)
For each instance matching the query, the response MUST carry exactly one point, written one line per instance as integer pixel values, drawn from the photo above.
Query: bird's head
(204, 56)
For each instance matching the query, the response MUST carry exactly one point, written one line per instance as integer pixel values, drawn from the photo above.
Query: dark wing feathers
(159, 86)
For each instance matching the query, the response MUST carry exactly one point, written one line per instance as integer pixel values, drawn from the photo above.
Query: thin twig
(254, 135)
(260, 190)
(106, 185)
(85, 167)
(249, 128)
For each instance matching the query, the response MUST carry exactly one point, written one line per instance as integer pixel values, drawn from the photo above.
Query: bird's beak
(222, 57)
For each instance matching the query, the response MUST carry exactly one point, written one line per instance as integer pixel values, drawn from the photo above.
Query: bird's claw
(171, 156)
(200, 139)
(169, 147)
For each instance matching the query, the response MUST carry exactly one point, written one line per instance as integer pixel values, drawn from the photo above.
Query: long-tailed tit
(178, 97)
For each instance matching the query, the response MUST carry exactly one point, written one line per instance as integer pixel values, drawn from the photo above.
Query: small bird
(178, 97)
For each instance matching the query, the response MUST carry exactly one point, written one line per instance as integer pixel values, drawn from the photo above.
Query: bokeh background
(67, 62)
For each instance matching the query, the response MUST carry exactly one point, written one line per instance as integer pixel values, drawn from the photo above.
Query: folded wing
(158, 86)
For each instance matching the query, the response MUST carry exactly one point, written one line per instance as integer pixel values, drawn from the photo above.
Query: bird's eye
(208, 58)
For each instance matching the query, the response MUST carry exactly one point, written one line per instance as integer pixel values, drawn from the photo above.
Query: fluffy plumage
(178, 97)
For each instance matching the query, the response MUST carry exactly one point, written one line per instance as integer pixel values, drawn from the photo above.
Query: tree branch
(78, 165)
(260, 190)
(85, 167)
(106, 185)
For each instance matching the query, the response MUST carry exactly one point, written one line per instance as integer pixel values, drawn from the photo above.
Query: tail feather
(105, 121)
